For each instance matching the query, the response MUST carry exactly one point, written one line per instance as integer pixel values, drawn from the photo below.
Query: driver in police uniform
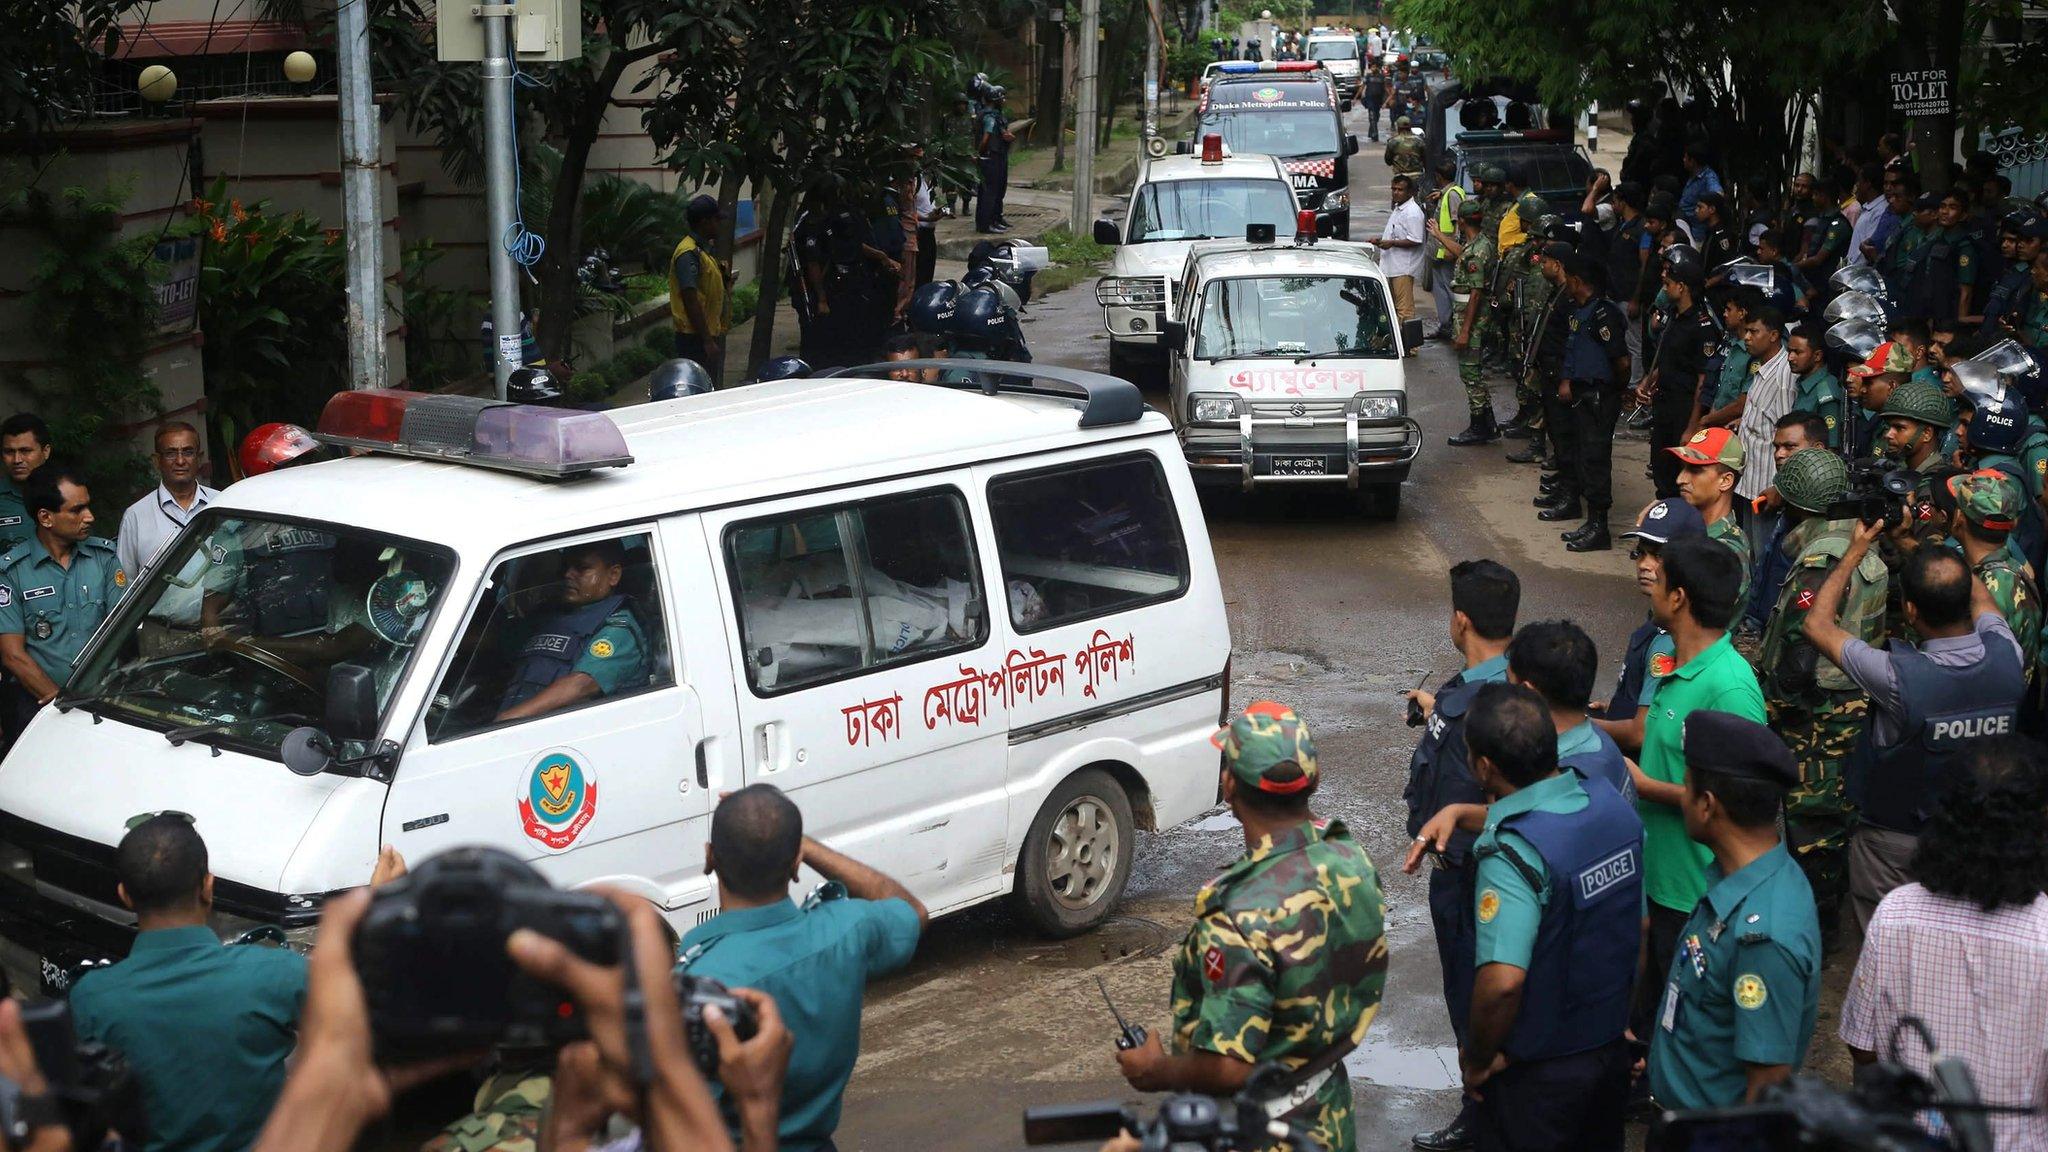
(589, 645)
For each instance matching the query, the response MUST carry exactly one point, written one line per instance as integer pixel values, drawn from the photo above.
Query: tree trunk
(564, 235)
(1052, 84)
(780, 205)
(729, 183)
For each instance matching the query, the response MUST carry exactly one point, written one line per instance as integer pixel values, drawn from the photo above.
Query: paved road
(1331, 613)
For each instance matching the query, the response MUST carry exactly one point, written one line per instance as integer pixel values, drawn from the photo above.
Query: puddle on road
(1119, 938)
(1404, 1066)
(1336, 699)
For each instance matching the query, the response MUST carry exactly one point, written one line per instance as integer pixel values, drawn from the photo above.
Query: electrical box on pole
(542, 31)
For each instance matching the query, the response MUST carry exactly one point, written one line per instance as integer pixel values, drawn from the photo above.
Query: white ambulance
(1285, 367)
(1178, 202)
(974, 630)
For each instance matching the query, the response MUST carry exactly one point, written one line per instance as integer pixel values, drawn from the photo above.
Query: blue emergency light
(1240, 67)
(551, 443)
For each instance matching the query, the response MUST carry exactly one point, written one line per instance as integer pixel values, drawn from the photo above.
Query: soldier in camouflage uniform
(1287, 957)
(1521, 284)
(507, 1115)
(1984, 507)
(1492, 194)
(1812, 704)
(1404, 150)
(1911, 423)
(1542, 358)
(1473, 253)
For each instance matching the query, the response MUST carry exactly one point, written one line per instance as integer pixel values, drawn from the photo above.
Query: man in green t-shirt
(1694, 596)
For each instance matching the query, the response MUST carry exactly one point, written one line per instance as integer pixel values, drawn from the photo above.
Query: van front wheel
(1078, 855)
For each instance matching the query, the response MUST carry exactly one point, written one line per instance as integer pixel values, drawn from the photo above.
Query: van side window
(832, 592)
(559, 629)
(1087, 539)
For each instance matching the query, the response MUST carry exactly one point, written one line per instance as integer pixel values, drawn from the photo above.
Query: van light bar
(1298, 66)
(547, 442)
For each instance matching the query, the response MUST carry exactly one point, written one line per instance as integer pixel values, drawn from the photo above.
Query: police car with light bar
(1178, 201)
(1287, 110)
(1285, 367)
(973, 628)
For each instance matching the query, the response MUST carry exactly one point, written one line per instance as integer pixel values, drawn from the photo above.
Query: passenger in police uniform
(24, 447)
(1559, 912)
(590, 645)
(1591, 380)
(1963, 680)
(1739, 1002)
(1484, 598)
(55, 588)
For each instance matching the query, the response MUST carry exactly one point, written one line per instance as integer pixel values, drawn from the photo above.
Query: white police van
(1177, 202)
(974, 630)
(1284, 364)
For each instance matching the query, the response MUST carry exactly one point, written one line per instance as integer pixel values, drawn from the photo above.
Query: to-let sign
(1922, 93)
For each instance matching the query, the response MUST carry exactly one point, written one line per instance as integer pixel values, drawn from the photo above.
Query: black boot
(1592, 536)
(1528, 453)
(1518, 427)
(1480, 431)
(1563, 507)
(1453, 1137)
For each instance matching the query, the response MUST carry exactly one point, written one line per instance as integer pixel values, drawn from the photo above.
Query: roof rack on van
(1103, 400)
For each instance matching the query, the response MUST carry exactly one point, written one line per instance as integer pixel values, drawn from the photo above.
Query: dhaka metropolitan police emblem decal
(559, 799)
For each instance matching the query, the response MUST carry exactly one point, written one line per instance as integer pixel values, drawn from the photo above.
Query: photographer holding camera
(1287, 957)
(1962, 681)
(183, 1001)
(814, 959)
(1813, 705)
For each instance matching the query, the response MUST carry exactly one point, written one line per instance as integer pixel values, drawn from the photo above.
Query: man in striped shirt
(1772, 392)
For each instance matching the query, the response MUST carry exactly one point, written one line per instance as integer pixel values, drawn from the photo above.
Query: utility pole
(1084, 116)
(501, 178)
(1151, 68)
(362, 171)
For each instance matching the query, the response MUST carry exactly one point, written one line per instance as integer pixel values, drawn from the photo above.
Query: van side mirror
(1173, 335)
(1351, 143)
(351, 702)
(1411, 335)
(1107, 233)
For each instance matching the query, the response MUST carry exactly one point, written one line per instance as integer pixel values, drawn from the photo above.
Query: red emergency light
(1298, 66)
(552, 443)
(1305, 224)
(1212, 149)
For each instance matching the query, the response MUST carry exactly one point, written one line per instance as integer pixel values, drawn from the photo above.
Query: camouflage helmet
(1812, 478)
(1495, 174)
(1919, 400)
(1268, 748)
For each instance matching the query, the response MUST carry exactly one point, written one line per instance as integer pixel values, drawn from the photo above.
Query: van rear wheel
(1077, 855)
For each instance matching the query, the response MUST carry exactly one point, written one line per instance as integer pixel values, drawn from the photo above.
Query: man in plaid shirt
(1964, 948)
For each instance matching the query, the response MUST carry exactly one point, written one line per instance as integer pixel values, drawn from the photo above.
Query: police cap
(1729, 745)
(1268, 748)
(1812, 478)
(2035, 229)
(1919, 400)
(1927, 202)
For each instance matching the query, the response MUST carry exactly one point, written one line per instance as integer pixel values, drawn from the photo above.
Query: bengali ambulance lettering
(1297, 381)
(1025, 675)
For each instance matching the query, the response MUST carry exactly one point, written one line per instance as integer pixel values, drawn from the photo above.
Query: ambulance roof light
(1212, 149)
(547, 442)
(1297, 66)
(1305, 226)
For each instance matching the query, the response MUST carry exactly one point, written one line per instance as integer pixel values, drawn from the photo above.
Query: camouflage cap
(1919, 400)
(1987, 499)
(1812, 478)
(1712, 446)
(1268, 748)
(1471, 209)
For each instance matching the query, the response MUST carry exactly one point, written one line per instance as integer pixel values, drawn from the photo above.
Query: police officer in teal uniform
(591, 645)
(1738, 1006)
(55, 588)
(24, 447)
(1559, 909)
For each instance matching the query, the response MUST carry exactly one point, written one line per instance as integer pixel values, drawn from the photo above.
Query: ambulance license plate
(1298, 466)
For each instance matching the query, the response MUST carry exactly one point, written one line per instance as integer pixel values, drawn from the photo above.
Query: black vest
(289, 576)
(1439, 773)
(552, 650)
(1896, 786)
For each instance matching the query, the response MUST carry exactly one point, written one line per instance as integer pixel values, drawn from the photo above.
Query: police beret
(1732, 746)
(1927, 202)
(2036, 228)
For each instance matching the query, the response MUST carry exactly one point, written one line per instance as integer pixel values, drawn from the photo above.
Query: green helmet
(1919, 400)
(1812, 478)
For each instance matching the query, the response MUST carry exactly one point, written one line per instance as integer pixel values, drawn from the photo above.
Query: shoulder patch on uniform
(6, 595)
(1662, 664)
(1212, 964)
(601, 648)
(1804, 600)
(1489, 906)
(1750, 992)
(120, 578)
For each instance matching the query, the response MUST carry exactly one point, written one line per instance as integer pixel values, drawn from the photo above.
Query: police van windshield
(1297, 317)
(1208, 209)
(1345, 49)
(1277, 131)
(230, 637)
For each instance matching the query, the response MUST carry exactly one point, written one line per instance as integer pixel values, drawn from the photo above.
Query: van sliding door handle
(768, 739)
(703, 768)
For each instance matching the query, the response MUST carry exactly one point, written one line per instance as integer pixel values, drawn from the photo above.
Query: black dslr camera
(91, 1091)
(698, 993)
(431, 953)
(1184, 1122)
(1878, 490)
